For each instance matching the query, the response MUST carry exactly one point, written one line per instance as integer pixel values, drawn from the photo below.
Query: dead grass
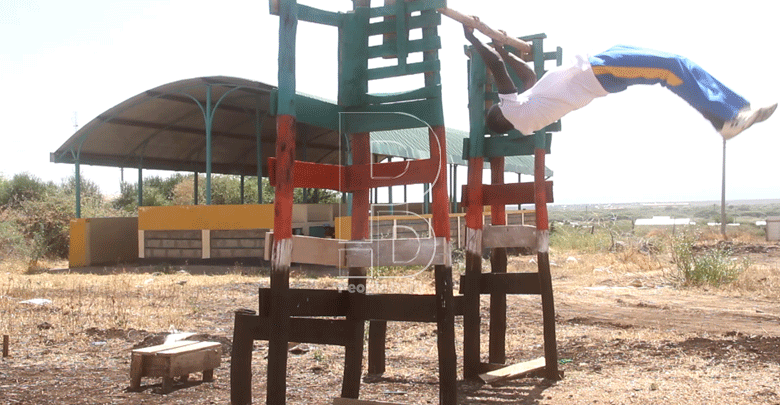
(625, 334)
(128, 301)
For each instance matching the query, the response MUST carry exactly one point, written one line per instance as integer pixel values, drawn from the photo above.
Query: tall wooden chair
(286, 314)
(498, 236)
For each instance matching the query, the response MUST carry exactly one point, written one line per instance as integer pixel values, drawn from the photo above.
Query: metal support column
(241, 179)
(141, 182)
(195, 188)
(78, 188)
(208, 116)
(259, 148)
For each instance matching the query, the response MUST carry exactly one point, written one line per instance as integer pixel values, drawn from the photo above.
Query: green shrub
(713, 267)
(22, 187)
(12, 241)
(37, 225)
(89, 189)
(45, 224)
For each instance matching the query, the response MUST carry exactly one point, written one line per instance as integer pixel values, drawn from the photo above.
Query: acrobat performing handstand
(574, 85)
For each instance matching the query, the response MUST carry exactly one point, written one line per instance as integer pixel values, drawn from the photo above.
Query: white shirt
(560, 91)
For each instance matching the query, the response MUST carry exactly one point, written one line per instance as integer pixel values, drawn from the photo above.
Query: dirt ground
(623, 338)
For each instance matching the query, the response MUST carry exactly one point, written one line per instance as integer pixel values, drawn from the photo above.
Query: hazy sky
(83, 57)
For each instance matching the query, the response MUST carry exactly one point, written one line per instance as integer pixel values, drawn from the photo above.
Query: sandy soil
(623, 338)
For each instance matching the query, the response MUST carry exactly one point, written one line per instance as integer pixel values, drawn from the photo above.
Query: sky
(64, 63)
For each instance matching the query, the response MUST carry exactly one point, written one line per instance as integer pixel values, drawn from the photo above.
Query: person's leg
(622, 66)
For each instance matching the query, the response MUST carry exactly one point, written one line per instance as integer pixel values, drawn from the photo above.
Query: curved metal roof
(164, 129)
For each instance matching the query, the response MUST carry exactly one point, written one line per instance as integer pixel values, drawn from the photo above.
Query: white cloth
(559, 92)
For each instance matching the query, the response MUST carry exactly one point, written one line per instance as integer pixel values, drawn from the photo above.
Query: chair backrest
(483, 94)
(413, 55)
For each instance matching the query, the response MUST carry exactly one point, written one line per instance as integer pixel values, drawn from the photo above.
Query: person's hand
(469, 31)
(502, 41)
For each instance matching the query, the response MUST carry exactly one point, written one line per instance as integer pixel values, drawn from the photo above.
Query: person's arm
(493, 62)
(523, 71)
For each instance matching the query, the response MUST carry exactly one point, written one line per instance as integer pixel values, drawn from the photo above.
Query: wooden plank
(366, 176)
(308, 249)
(388, 50)
(350, 401)
(512, 193)
(308, 302)
(497, 236)
(387, 26)
(397, 252)
(402, 307)
(513, 371)
(303, 330)
(312, 175)
(195, 361)
(509, 236)
(173, 351)
(311, 250)
(136, 370)
(163, 347)
(498, 36)
(409, 69)
(377, 345)
(420, 112)
(241, 358)
(514, 144)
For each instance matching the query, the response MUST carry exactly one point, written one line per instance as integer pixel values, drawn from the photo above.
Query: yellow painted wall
(343, 227)
(77, 254)
(187, 217)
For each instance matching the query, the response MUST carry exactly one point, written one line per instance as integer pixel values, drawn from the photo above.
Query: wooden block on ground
(350, 401)
(177, 359)
(513, 371)
(158, 348)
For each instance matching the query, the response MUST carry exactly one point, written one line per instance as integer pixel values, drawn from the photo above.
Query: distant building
(663, 221)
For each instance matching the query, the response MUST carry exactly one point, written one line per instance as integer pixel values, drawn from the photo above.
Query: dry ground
(625, 336)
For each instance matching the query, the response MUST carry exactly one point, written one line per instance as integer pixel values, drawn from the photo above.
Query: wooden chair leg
(241, 360)
(208, 375)
(167, 385)
(136, 367)
(377, 337)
